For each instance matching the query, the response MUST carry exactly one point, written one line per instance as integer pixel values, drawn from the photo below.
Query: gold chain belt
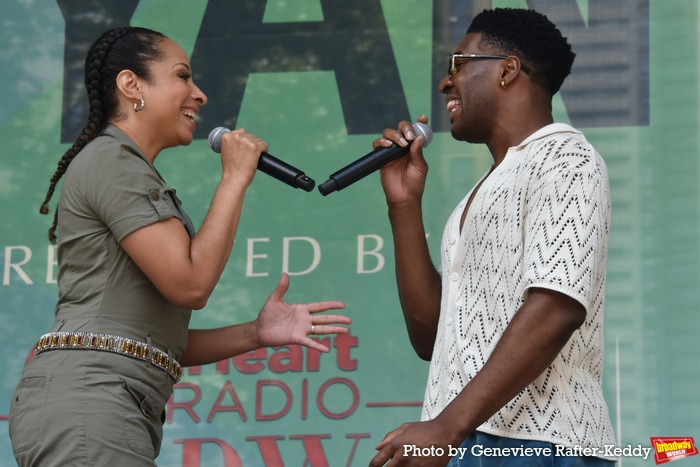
(109, 343)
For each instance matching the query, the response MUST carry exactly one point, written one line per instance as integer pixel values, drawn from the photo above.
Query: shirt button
(454, 277)
(453, 240)
(155, 196)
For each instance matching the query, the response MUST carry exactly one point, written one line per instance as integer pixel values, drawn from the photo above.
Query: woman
(131, 267)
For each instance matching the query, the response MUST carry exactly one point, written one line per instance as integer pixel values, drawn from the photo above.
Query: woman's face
(172, 100)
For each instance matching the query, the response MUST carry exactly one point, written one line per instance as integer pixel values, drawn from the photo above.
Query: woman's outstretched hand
(280, 323)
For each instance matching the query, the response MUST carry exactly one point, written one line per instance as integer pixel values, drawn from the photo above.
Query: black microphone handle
(362, 167)
(269, 164)
(284, 172)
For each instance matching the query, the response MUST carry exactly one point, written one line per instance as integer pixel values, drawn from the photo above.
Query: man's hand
(416, 444)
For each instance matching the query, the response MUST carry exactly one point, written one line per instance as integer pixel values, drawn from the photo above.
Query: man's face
(469, 89)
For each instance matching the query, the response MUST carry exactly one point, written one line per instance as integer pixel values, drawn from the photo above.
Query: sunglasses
(453, 66)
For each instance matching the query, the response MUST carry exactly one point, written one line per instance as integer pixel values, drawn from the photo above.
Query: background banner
(319, 80)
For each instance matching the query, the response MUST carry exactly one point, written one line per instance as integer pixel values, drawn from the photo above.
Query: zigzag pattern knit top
(540, 219)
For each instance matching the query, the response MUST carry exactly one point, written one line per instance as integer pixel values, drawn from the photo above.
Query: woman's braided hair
(123, 48)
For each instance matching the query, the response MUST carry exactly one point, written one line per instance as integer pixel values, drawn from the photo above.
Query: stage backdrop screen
(319, 80)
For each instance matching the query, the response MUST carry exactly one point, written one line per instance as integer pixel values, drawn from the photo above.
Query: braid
(100, 82)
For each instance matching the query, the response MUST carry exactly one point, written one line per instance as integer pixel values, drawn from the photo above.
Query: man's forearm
(417, 279)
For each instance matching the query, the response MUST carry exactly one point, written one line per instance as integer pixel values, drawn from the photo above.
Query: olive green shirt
(109, 191)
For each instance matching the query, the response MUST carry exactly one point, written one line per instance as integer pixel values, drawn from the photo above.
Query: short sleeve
(567, 225)
(128, 194)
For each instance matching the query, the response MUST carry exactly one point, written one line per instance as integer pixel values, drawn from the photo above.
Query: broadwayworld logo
(668, 449)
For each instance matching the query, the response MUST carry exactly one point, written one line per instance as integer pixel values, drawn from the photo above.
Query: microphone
(372, 162)
(269, 164)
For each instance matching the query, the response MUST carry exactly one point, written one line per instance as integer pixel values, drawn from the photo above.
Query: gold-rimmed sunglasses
(453, 67)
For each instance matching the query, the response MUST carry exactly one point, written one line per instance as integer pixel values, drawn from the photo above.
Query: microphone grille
(421, 129)
(215, 138)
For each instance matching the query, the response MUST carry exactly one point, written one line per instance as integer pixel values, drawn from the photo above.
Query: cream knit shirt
(540, 219)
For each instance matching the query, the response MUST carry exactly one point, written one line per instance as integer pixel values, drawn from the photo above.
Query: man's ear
(129, 84)
(511, 67)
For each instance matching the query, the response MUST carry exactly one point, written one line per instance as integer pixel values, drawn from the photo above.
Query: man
(513, 321)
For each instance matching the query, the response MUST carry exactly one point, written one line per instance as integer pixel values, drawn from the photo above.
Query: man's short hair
(530, 36)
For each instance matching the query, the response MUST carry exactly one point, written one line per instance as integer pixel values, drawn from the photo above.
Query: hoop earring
(139, 109)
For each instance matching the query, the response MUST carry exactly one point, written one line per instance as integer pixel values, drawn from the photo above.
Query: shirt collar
(117, 133)
(548, 130)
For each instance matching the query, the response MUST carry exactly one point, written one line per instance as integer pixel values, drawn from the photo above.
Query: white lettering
(610, 450)
(417, 451)
(250, 257)
(521, 451)
(17, 267)
(20, 263)
(285, 254)
(459, 453)
(361, 253)
(51, 264)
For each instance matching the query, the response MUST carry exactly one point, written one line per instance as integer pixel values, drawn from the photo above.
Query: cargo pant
(88, 408)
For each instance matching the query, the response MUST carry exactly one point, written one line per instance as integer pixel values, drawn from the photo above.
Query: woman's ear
(129, 85)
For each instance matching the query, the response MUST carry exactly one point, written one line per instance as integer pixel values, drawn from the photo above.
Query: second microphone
(372, 162)
(269, 164)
